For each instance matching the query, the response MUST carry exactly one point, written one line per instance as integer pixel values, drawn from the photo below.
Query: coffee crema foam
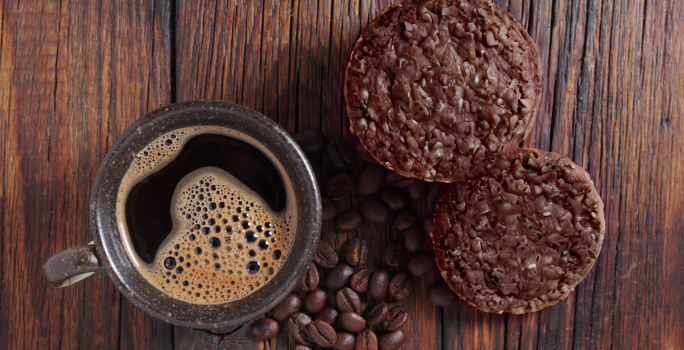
(226, 242)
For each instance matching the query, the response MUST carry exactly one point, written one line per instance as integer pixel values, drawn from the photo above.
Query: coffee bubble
(223, 232)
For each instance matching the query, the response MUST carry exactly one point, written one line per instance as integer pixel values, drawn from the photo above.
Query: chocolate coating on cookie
(521, 241)
(437, 89)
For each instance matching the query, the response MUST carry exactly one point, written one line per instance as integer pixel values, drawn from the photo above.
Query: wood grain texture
(74, 74)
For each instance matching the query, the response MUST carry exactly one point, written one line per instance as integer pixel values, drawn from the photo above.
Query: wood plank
(140, 82)
(29, 55)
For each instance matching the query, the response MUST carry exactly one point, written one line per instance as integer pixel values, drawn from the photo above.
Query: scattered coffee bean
(375, 210)
(338, 276)
(287, 307)
(397, 181)
(348, 300)
(396, 319)
(401, 286)
(329, 315)
(328, 209)
(265, 328)
(314, 301)
(347, 221)
(413, 238)
(428, 225)
(394, 254)
(325, 255)
(395, 199)
(359, 280)
(301, 347)
(297, 325)
(310, 279)
(378, 283)
(322, 333)
(345, 341)
(351, 322)
(340, 186)
(433, 195)
(364, 155)
(311, 141)
(392, 341)
(376, 313)
(357, 251)
(404, 219)
(441, 295)
(370, 180)
(416, 190)
(366, 340)
(421, 264)
(340, 153)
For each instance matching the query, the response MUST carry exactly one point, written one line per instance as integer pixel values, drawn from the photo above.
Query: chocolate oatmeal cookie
(438, 89)
(522, 241)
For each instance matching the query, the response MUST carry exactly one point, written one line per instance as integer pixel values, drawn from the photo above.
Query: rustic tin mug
(109, 255)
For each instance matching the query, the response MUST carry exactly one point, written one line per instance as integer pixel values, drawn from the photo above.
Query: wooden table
(74, 74)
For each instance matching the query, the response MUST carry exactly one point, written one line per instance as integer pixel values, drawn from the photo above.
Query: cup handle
(71, 265)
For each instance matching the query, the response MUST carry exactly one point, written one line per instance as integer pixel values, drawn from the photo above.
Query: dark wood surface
(74, 74)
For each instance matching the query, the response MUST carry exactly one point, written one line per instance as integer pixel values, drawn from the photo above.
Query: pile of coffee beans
(328, 311)
(344, 325)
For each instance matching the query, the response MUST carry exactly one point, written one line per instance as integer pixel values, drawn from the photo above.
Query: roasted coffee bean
(370, 180)
(297, 325)
(328, 209)
(310, 279)
(421, 264)
(351, 322)
(378, 283)
(376, 313)
(265, 328)
(433, 195)
(325, 255)
(322, 333)
(338, 276)
(287, 307)
(366, 340)
(301, 347)
(348, 300)
(362, 154)
(311, 141)
(416, 190)
(396, 319)
(394, 254)
(391, 341)
(345, 341)
(329, 315)
(413, 238)
(314, 301)
(395, 199)
(347, 221)
(397, 181)
(359, 280)
(428, 225)
(441, 295)
(340, 153)
(357, 251)
(340, 186)
(400, 286)
(375, 210)
(404, 219)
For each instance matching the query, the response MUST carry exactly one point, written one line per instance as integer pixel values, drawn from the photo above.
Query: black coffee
(206, 215)
(147, 207)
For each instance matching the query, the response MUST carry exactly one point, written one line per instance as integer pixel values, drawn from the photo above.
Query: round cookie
(437, 89)
(522, 241)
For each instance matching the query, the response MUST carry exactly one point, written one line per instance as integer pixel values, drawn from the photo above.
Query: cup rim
(115, 260)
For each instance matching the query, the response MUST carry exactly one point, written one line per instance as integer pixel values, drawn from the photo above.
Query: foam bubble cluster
(226, 241)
